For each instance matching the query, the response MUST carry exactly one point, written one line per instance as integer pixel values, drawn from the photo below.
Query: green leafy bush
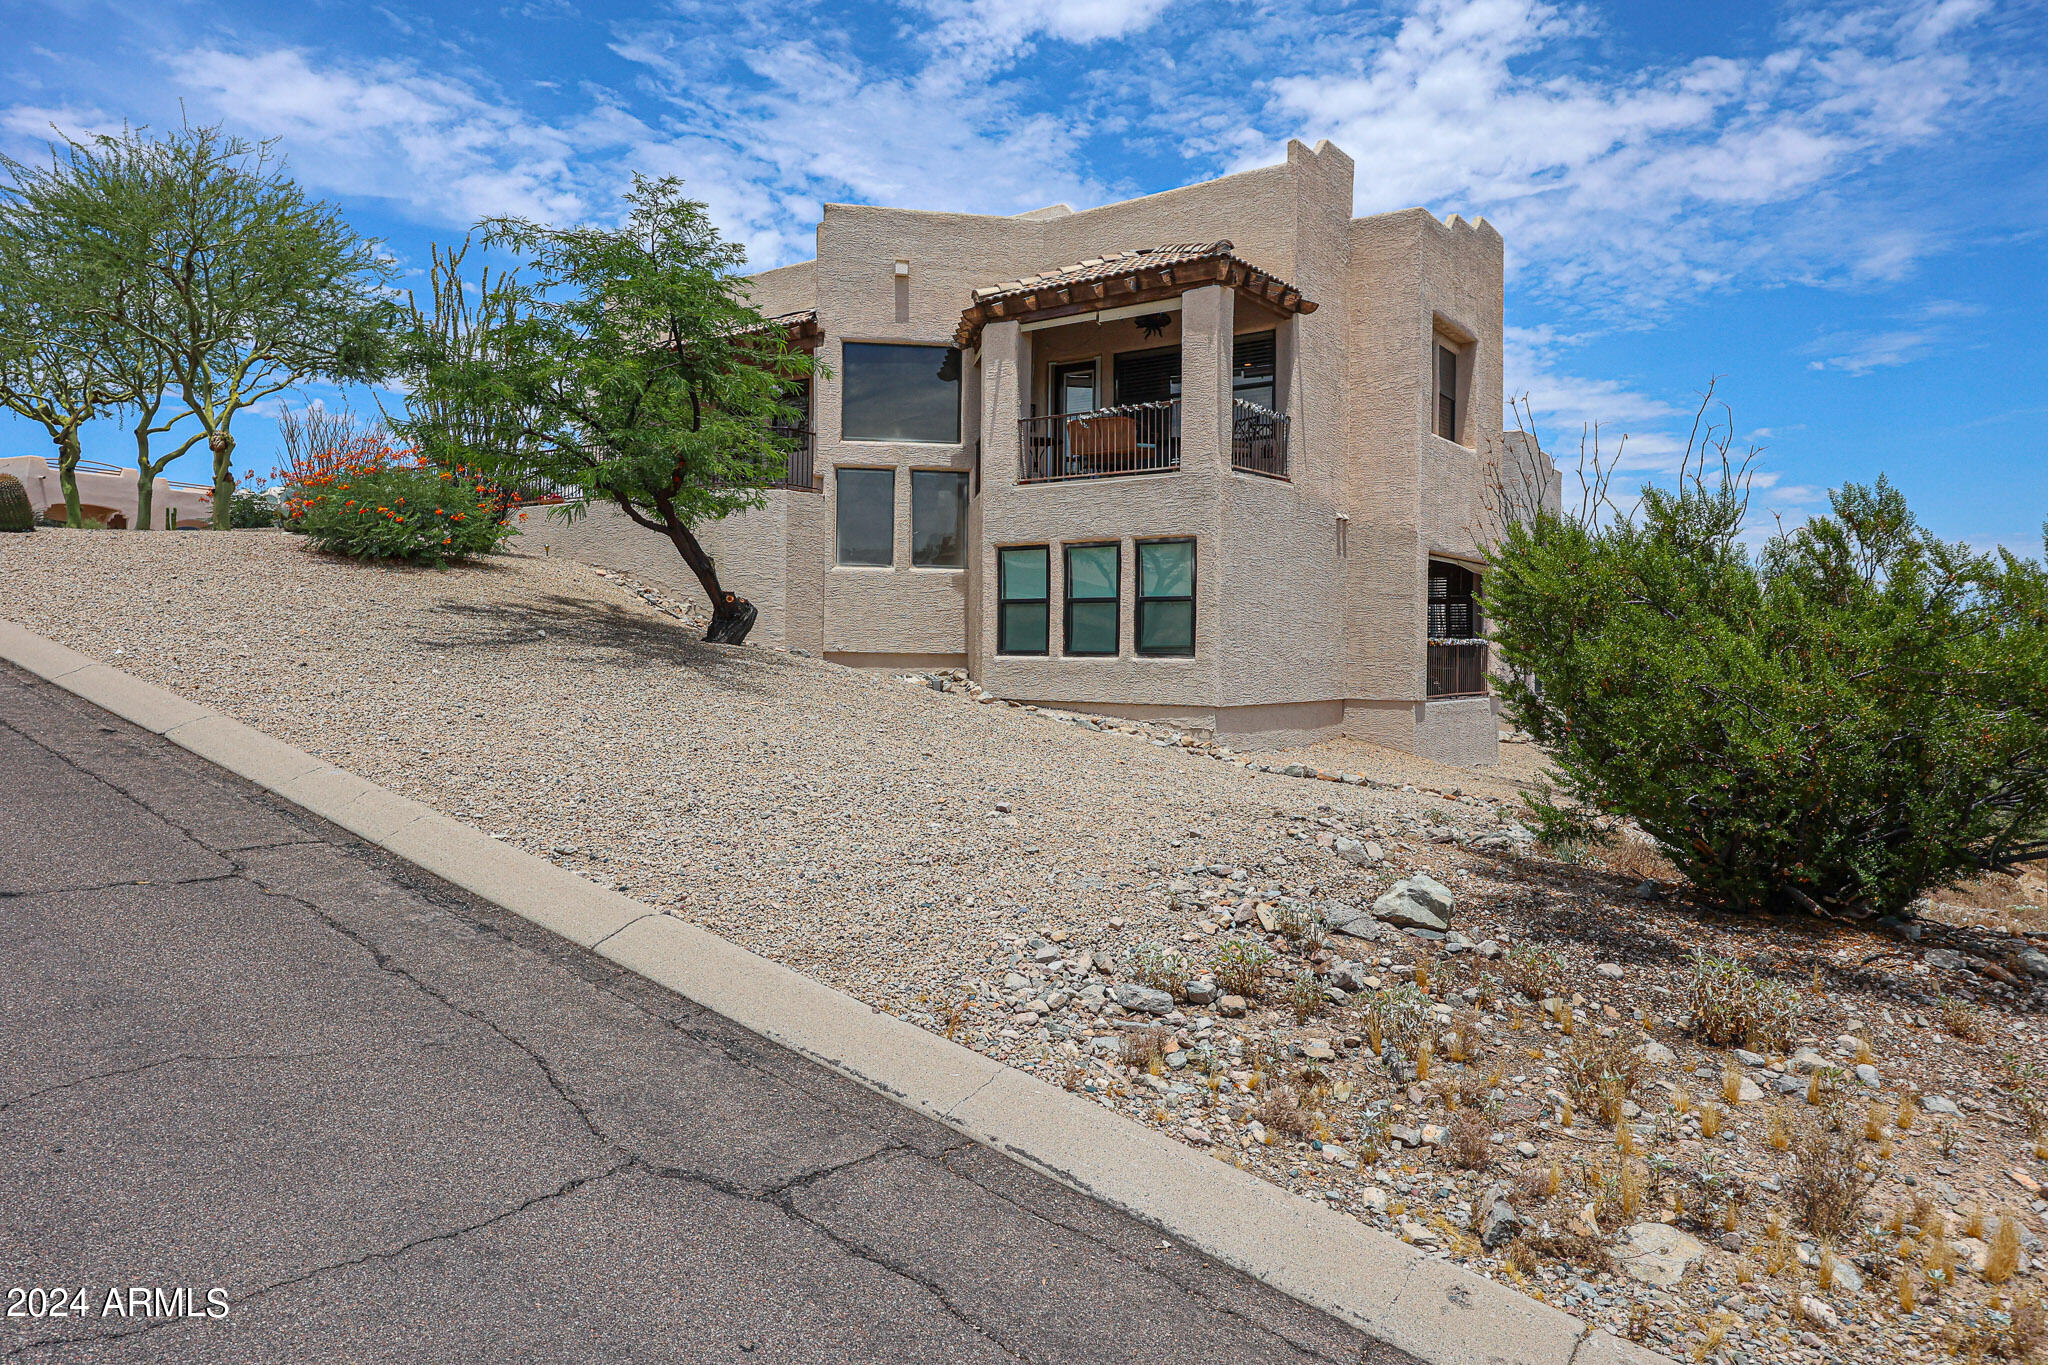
(422, 515)
(1835, 725)
(252, 511)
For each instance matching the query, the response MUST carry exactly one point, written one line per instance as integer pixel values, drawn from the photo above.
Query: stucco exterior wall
(1310, 591)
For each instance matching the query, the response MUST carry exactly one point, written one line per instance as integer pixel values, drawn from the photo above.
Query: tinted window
(1166, 597)
(938, 518)
(1092, 574)
(867, 516)
(899, 393)
(1021, 622)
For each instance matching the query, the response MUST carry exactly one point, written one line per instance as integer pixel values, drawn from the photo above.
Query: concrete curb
(1430, 1308)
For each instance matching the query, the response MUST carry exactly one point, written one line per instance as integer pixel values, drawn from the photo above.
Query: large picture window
(899, 393)
(867, 517)
(1022, 617)
(1166, 597)
(938, 518)
(1093, 575)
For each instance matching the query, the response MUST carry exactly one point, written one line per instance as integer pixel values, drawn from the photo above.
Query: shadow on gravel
(617, 637)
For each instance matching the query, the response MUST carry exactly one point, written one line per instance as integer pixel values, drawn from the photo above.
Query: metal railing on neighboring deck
(1457, 668)
(1136, 438)
(1258, 439)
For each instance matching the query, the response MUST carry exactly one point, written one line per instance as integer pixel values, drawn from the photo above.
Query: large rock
(1498, 1221)
(1349, 976)
(1358, 853)
(1143, 999)
(1355, 921)
(1657, 1253)
(1417, 902)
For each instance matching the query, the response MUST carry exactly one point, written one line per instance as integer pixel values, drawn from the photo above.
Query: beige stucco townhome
(1224, 456)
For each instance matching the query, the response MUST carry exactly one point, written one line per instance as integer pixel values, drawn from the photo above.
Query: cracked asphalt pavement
(241, 1050)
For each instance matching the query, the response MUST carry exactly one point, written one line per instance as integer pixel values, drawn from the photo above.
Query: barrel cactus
(17, 513)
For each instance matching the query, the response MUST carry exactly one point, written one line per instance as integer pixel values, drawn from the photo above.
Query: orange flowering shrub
(369, 501)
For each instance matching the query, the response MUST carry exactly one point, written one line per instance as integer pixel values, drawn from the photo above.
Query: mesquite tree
(622, 364)
(225, 282)
(1855, 715)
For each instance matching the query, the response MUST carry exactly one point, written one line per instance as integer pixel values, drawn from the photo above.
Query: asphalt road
(355, 1115)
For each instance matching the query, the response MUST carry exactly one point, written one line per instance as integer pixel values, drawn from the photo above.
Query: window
(938, 518)
(1093, 575)
(1021, 617)
(1166, 597)
(899, 393)
(1453, 602)
(1073, 387)
(1252, 367)
(1148, 376)
(867, 517)
(1446, 393)
(1457, 654)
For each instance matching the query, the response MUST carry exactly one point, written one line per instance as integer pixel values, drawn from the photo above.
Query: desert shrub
(1466, 1142)
(1281, 1111)
(1832, 725)
(1301, 924)
(1304, 995)
(1601, 1074)
(1144, 1049)
(1828, 1186)
(1734, 1007)
(1162, 969)
(1397, 1018)
(1241, 966)
(425, 516)
(1535, 972)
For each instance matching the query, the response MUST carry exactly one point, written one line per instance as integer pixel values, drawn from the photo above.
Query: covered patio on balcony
(1102, 353)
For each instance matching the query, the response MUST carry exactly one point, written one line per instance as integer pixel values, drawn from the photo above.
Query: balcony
(1258, 440)
(1457, 668)
(1137, 438)
(802, 470)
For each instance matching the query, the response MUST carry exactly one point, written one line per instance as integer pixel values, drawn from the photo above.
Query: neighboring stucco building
(1220, 456)
(107, 494)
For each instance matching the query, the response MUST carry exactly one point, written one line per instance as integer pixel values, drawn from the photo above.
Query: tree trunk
(732, 616)
(68, 451)
(223, 447)
(145, 481)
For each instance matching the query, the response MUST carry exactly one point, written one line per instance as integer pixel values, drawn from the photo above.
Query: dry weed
(1466, 1143)
(1828, 1185)
(1601, 1074)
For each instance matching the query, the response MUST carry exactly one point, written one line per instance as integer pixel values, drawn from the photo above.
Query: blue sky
(1835, 210)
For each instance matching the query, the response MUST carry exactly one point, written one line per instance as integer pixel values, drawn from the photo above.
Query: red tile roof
(1125, 277)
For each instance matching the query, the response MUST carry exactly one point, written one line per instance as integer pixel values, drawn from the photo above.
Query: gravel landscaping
(1425, 1003)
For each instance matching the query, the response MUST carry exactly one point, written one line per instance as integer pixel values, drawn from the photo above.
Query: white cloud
(1623, 188)
(1002, 28)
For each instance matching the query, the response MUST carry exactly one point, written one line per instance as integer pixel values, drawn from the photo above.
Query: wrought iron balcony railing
(1136, 438)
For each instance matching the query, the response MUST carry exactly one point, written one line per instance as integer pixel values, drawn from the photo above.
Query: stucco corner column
(1004, 390)
(1207, 318)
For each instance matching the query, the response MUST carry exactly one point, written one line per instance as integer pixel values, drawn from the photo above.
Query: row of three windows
(1093, 590)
